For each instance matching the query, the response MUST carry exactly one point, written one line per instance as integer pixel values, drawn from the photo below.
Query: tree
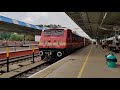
(20, 38)
(16, 37)
(40, 25)
(30, 38)
(3, 36)
(8, 35)
(13, 37)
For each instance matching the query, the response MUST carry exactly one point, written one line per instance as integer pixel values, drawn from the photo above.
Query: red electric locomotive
(55, 43)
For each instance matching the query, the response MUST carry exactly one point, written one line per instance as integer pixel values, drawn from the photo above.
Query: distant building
(37, 38)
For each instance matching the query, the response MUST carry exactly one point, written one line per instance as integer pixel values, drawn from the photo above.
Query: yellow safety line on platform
(81, 71)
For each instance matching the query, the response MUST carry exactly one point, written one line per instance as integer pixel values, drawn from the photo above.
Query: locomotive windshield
(58, 32)
(54, 32)
(47, 32)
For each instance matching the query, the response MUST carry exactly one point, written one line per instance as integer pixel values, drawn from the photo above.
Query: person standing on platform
(96, 43)
(103, 44)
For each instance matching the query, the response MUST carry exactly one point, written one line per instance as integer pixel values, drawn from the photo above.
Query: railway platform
(88, 62)
(15, 49)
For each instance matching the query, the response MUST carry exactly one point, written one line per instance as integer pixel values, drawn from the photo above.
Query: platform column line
(84, 64)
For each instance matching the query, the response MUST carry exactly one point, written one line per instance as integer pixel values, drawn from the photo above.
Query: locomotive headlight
(59, 54)
(41, 53)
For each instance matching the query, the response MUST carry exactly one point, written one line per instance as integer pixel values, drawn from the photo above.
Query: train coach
(113, 43)
(55, 43)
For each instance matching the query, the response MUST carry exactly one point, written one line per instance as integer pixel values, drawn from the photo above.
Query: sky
(38, 18)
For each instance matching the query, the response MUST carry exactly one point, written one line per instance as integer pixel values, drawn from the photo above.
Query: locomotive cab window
(58, 32)
(53, 32)
(48, 32)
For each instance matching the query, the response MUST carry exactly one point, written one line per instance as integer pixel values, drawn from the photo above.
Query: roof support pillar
(25, 37)
(116, 29)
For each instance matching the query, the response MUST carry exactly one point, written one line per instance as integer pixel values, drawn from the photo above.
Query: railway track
(17, 59)
(27, 70)
(33, 70)
(24, 70)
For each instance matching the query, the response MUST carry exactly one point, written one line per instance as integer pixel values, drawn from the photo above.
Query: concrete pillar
(25, 37)
(84, 41)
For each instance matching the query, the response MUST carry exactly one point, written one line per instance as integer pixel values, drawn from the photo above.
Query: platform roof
(96, 24)
(13, 25)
